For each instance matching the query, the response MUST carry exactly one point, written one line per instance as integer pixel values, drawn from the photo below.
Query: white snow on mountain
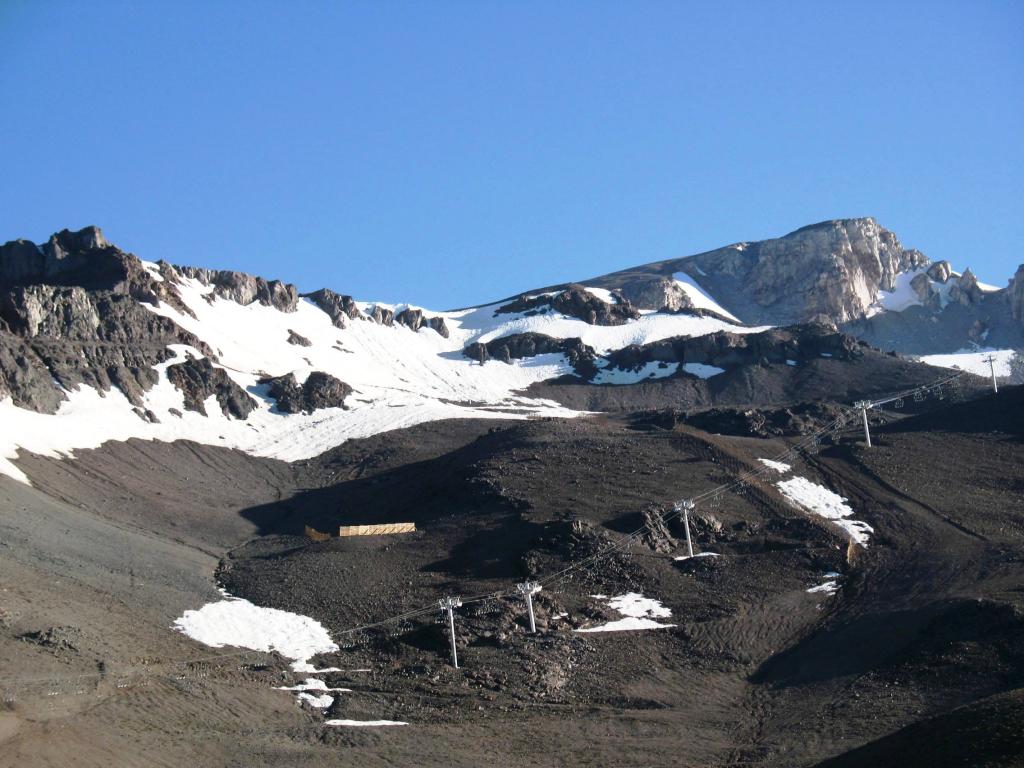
(401, 377)
(699, 298)
(651, 370)
(901, 297)
(239, 623)
(820, 501)
(702, 370)
(974, 361)
(639, 612)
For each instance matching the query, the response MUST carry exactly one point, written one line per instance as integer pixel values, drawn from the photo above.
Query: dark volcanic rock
(245, 289)
(337, 306)
(298, 340)
(521, 345)
(72, 315)
(728, 350)
(415, 319)
(382, 315)
(198, 379)
(1016, 292)
(575, 301)
(320, 390)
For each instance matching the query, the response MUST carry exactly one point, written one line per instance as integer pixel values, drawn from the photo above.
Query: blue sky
(446, 153)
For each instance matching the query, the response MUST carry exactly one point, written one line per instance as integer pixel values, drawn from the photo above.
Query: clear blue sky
(446, 153)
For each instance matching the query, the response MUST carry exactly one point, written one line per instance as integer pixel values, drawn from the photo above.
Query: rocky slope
(116, 347)
(851, 272)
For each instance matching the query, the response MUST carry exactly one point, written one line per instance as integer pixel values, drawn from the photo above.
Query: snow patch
(601, 293)
(829, 588)
(363, 723)
(311, 684)
(651, 370)
(901, 297)
(778, 466)
(242, 624)
(973, 361)
(699, 298)
(819, 500)
(322, 701)
(699, 554)
(639, 613)
(702, 370)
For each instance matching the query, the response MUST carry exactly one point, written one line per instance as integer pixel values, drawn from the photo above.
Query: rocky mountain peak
(832, 269)
(86, 239)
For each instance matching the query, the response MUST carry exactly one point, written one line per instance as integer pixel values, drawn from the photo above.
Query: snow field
(401, 377)
(973, 361)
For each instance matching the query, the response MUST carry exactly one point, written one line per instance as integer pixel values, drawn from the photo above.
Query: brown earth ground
(917, 660)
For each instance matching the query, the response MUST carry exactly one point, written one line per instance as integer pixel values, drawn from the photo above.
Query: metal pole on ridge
(447, 604)
(687, 506)
(527, 590)
(864, 405)
(991, 360)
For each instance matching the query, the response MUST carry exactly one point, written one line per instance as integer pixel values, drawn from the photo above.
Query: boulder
(298, 340)
(320, 390)
(198, 380)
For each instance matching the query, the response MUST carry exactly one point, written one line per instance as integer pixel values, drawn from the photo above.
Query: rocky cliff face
(70, 314)
(831, 270)
(245, 289)
(1016, 294)
(575, 301)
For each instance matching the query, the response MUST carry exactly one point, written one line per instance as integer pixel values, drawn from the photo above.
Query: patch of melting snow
(639, 613)
(311, 684)
(238, 622)
(323, 701)
(699, 554)
(364, 723)
(974, 361)
(791, 362)
(778, 466)
(829, 588)
(819, 500)
(702, 370)
(235, 621)
(649, 370)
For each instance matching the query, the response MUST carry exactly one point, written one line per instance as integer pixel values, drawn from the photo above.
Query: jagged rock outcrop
(319, 390)
(198, 380)
(1016, 294)
(339, 308)
(244, 289)
(834, 268)
(71, 315)
(575, 301)
(415, 319)
(382, 315)
(729, 350)
(298, 339)
(521, 345)
(82, 259)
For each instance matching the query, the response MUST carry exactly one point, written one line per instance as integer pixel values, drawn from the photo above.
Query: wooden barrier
(376, 530)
